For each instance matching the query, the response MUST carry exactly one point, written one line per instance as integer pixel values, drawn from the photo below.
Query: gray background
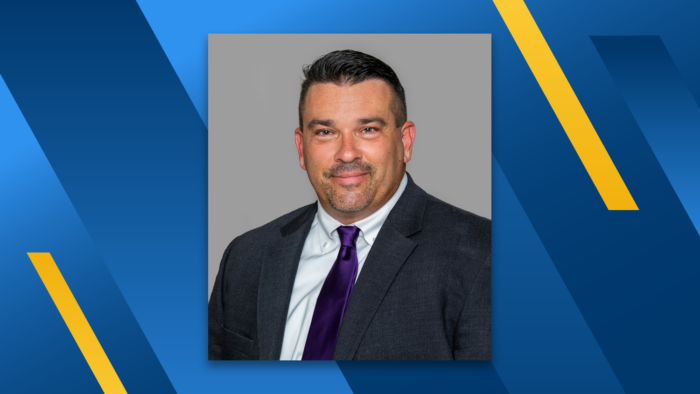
(254, 83)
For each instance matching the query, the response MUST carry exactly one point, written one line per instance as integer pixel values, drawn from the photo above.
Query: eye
(323, 132)
(368, 130)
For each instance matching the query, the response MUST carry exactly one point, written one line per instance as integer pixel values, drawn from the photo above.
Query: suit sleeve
(473, 334)
(216, 310)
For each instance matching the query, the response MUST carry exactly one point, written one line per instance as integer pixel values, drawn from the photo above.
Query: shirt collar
(369, 226)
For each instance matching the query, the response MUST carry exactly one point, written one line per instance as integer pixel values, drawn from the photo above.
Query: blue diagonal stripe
(39, 353)
(538, 331)
(663, 107)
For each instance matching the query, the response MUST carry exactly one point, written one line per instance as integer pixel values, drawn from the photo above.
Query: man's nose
(348, 150)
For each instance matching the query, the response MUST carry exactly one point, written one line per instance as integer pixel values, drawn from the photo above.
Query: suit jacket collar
(407, 215)
(278, 271)
(306, 216)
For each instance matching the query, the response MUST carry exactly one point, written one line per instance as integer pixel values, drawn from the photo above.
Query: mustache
(349, 167)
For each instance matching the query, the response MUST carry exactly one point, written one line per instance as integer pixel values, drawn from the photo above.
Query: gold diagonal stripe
(77, 323)
(565, 104)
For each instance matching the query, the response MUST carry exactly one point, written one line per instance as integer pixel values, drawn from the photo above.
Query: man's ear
(299, 141)
(408, 135)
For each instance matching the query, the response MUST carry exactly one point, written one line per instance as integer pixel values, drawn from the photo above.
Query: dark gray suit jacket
(424, 292)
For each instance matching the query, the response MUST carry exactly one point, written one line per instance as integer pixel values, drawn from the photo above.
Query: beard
(352, 199)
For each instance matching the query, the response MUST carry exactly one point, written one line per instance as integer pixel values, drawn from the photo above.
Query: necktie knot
(348, 235)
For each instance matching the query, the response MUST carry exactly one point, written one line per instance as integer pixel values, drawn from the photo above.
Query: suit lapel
(277, 273)
(388, 254)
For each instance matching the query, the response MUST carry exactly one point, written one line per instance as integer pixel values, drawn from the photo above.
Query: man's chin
(348, 202)
(348, 208)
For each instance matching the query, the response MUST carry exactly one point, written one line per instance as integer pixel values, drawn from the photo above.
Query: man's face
(351, 148)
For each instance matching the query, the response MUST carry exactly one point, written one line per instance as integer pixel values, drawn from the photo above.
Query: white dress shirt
(317, 258)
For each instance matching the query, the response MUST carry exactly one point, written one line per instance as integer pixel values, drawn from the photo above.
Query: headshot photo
(349, 197)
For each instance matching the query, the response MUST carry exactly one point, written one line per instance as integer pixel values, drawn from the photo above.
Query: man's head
(353, 138)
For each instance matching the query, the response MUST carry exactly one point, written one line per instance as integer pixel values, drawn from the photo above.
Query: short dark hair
(351, 67)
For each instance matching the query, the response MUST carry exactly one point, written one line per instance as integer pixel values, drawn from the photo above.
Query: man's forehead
(369, 84)
(375, 94)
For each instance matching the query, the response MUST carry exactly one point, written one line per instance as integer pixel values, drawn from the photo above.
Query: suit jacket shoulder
(474, 230)
(273, 230)
(233, 306)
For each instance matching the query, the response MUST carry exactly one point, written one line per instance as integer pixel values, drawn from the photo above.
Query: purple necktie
(333, 298)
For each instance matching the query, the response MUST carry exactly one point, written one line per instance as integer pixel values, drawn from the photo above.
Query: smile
(350, 178)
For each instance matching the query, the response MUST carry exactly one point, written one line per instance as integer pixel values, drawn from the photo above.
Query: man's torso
(408, 303)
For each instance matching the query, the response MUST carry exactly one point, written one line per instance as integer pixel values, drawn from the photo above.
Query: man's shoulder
(439, 210)
(443, 217)
(270, 231)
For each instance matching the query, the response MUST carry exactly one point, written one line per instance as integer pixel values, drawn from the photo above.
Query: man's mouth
(350, 178)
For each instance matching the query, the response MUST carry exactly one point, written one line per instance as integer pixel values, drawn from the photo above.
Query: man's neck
(348, 218)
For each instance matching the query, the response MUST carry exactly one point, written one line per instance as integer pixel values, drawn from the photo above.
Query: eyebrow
(376, 119)
(321, 122)
(361, 121)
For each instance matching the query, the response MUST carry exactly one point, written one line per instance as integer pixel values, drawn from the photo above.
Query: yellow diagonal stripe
(77, 323)
(565, 104)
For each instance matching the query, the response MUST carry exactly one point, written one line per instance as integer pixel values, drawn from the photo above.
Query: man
(376, 268)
